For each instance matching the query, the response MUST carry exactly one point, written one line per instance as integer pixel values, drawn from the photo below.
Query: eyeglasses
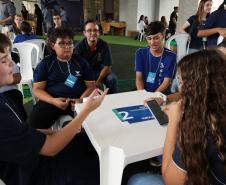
(65, 44)
(94, 31)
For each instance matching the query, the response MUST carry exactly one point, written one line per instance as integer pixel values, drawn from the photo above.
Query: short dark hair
(154, 28)
(89, 21)
(56, 13)
(25, 27)
(59, 33)
(4, 42)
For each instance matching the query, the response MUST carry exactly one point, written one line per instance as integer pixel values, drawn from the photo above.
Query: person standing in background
(48, 18)
(163, 21)
(39, 16)
(63, 15)
(214, 26)
(24, 12)
(193, 23)
(7, 13)
(174, 13)
(173, 21)
(146, 20)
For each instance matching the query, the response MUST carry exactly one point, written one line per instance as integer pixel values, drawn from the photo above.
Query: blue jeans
(146, 178)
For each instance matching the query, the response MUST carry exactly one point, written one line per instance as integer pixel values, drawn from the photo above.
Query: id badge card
(71, 80)
(151, 77)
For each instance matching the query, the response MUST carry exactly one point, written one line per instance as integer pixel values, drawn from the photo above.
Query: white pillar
(146, 8)
(166, 8)
(186, 9)
(17, 4)
(130, 11)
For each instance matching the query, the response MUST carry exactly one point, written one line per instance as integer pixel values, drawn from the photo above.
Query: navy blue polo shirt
(55, 74)
(196, 42)
(217, 19)
(164, 67)
(22, 37)
(216, 168)
(19, 146)
(99, 57)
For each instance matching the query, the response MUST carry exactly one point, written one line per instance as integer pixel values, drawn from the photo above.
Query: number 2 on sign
(125, 115)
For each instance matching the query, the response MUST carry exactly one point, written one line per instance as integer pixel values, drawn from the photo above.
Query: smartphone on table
(155, 108)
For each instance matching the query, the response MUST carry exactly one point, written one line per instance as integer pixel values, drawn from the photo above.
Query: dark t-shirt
(99, 57)
(173, 14)
(19, 146)
(7, 9)
(217, 171)
(55, 74)
(196, 42)
(216, 19)
(22, 37)
(164, 66)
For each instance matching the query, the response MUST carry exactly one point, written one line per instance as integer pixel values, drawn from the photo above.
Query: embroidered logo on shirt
(77, 73)
(99, 57)
(161, 65)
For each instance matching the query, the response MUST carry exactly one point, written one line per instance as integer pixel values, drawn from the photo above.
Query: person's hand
(74, 101)
(98, 84)
(94, 100)
(222, 32)
(158, 99)
(174, 112)
(5, 31)
(61, 103)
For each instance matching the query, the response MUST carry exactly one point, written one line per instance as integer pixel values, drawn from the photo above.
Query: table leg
(112, 162)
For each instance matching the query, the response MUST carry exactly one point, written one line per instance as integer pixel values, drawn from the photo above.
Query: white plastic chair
(183, 42)
(1, 182)
(41, 44)
(60, 121)
(25, 53)
(141, 33)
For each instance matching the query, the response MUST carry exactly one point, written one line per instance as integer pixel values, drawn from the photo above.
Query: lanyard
(14, 112)
(68, 67)
(149, 61)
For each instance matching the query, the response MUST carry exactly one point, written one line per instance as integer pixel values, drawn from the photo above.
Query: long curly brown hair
(203, 94)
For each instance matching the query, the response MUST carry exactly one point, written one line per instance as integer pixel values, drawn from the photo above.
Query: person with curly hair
(195, 145)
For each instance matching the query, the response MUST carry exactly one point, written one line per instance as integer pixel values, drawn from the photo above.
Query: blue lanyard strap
(160, 60)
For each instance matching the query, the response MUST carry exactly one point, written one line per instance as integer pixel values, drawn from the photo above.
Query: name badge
(71, 80)
(151, 77)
